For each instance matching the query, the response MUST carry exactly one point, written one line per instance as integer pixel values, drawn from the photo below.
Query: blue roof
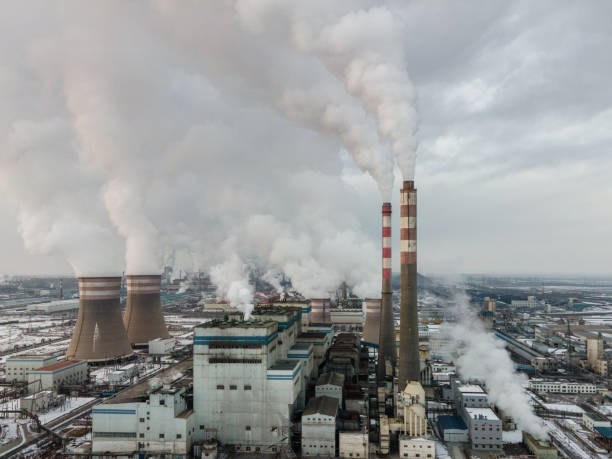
(605, 432)
(451, 422)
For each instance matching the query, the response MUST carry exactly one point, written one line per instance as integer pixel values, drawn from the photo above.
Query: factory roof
(31, 357)
(470, 388)
(312, 335)
(482, 413)
(334, 379)
(300, 347)
(595, 417)
(237, 324)
(323, 405)
(451, 423)
(606, 432)
(185, 414)
(284, 365)
(59, 365)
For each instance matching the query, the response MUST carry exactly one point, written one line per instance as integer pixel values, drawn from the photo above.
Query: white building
(485, 428)
(330, 385)
(416, 448)
(161, 346)
(530, 302)
(51, 377)
(160, 423)
(562, 387)
(353, 444)
(54, 306)
(319, 427)
(39, 402)
(245, 390)
(17, 367)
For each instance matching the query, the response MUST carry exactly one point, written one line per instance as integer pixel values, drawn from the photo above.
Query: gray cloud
(168, 129)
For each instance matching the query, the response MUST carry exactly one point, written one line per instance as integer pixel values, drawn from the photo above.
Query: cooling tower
(99, 334)
(371, 329)
(321, 313)
(143, 318)
(386, 342)
(409, 365)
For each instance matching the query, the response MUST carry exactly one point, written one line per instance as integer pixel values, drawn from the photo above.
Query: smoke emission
(175, 127)
(232, 281)
(479, 355)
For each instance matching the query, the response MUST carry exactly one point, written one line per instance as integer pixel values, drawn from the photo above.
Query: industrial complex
(139, 369)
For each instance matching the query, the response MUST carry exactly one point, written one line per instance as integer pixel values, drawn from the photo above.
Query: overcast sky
(182, 111)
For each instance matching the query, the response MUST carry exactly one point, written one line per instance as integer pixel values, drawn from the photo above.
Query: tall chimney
(409, 364)
(143, 318)
(386, 342)
(371, 329)
(99, 334)
(60, 293)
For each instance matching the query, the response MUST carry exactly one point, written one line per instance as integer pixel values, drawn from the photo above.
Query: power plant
(143, 318)
(386, 342)
(99, 334)
(321, 312)
(409, 365)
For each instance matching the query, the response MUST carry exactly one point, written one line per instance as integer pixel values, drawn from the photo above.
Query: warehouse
(17, 367)
(330, 385)
(52, 377)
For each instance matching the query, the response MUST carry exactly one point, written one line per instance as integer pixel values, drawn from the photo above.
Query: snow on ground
(512, 436)
(71, 404)
(569, 443)
(605, 409)
(9, 431)
(563, 407)
(441, 451)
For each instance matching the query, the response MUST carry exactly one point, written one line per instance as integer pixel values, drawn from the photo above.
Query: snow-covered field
(563, 407)
(71, 404)
(568, 442)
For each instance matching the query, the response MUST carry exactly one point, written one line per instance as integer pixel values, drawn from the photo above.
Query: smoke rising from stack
(129, 126)
(232, 281)
(481, 356)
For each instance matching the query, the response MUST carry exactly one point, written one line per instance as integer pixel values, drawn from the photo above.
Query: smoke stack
(60, 293)
(99, 334)
(386, 342)
(143, 318)
(409, 364)
(371, 330)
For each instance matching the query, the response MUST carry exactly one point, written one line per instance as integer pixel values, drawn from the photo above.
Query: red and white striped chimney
(409, 363)
(386, 346)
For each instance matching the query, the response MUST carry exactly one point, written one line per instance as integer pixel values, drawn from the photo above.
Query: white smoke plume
(273, 277)
(479, 355)
(175, 127)
(363, 48)
(232, 281)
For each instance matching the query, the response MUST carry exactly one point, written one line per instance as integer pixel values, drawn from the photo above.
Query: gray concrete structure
(143, 318)
(319, 427)
(99, 334)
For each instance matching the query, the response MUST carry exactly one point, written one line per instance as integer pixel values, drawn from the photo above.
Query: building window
(162, 402)
(141, 419)
(247, 428)
(141, 435)
(220, 387)
(232, 387)
(201, 427)
(247, 387)
(161, 435)
(179, 436)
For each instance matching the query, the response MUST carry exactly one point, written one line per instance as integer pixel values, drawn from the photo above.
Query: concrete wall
(318, 435)
(353, 444)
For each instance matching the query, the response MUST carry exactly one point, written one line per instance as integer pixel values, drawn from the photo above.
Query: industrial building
(319, 427)
(245, 390)
(330, 385)
(52, 377)
(353, 444)
(485, 428)
(18, 366)
(161, 422)
(453, 429)
(54, 306)
(371, 329)
(563, 387)
(416, 448)
(99, 334)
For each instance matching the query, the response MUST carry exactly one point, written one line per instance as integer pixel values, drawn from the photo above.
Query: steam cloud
(136, 137)
(485, 358)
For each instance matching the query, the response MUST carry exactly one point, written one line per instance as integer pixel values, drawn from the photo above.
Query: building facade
(319, 427)
(52, 377)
